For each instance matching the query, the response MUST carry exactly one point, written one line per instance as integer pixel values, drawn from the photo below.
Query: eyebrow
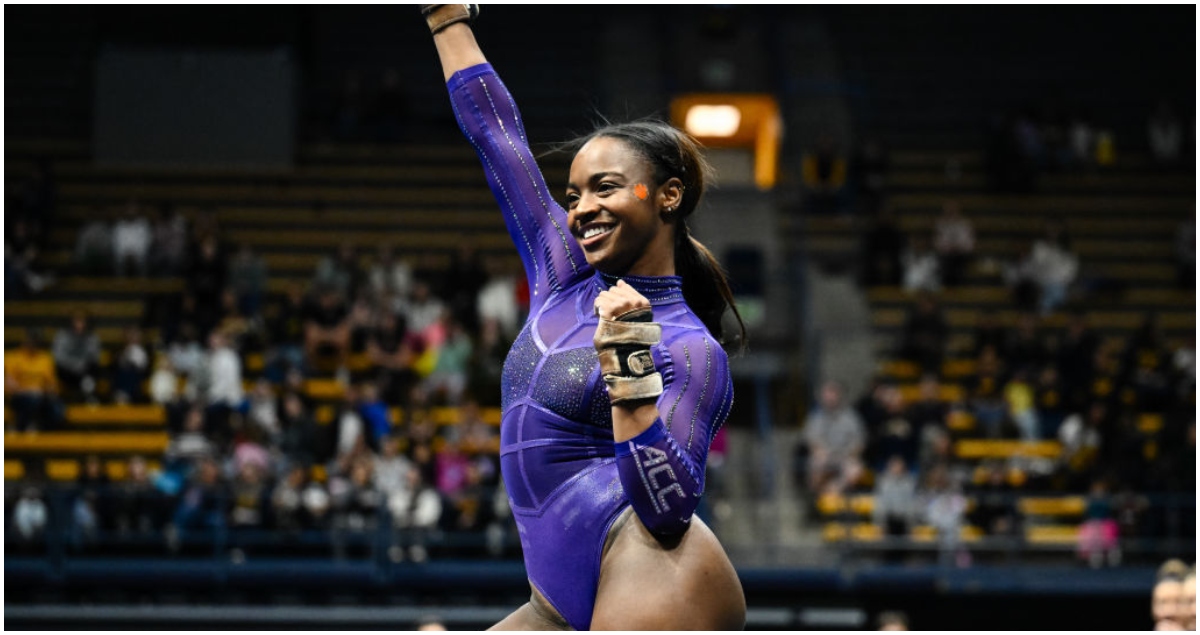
(594, 178)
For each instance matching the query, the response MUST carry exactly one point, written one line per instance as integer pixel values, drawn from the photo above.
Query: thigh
(683, 584)
(534, 615)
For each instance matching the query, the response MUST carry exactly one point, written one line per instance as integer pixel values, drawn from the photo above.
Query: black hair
(676, 154)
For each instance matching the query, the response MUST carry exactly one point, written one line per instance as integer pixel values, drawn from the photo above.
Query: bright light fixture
(713, 121)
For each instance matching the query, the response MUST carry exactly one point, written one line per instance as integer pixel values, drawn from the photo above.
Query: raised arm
(489, 118)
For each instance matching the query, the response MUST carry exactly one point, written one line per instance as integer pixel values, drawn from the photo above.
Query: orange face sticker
(641, 191)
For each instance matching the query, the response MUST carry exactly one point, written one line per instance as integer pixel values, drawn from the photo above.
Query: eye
(606, 187)
(572, 199)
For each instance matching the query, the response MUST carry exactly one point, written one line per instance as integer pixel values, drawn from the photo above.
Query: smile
(598, 230)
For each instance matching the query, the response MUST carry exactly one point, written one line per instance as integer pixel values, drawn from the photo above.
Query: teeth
(596, 231)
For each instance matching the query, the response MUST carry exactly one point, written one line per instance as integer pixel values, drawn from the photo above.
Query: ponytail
(705, 287)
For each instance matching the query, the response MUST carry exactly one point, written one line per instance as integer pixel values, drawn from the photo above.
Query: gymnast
(618, 380)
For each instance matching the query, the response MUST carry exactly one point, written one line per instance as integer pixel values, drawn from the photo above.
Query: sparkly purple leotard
(567, 480)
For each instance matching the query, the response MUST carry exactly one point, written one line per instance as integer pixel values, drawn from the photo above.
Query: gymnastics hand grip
(440, 16)
(623, 347)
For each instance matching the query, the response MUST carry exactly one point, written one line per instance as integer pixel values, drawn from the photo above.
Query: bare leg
(535, 615)
(684, 584)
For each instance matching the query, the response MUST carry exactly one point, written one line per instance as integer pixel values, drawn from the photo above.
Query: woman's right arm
(489, 118)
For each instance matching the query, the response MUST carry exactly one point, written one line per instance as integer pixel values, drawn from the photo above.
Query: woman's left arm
(661, 440)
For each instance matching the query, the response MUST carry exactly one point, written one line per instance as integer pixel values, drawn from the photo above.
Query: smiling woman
(618, 382)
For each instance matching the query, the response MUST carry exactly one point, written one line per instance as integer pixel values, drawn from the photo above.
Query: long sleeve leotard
(566, 478)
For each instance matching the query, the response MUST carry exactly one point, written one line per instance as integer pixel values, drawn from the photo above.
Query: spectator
(205, 500)
(206, 280)
(390, 276)
(224, 385)
(32, 385)
(244, 333)
(425, 310)
(299, 442)
(327, 329)
(1018, 395)
(374, 413)
(29, 516)
(131, 241)
(92, 506)
(449, 376)
(77, 357)
(94, 247)
(1098, 533)
(497, 299)
(1054, 267)
(923, 340)
(488, 362)
(985, 392)
(1082, 438)
(248, 278)
(317, 504)
(944, 508)
(1049, 402)
(168, 252)
(1022, 280)
(895, 501)
(263, 412)
(391, 467)
(192, 444)
(929, 409)
(391, 350)
(415, 511)
(835, 437)
(351, 433)
(1188, 612)
(430, 623)
(1165, 135)
(356, 500)
(250, 496)
(137, 505)
(883, 244)
(132, 368)
(287, 505)
(164, 391)
(463, 282)
(823, 171)
(187, 357)
(340, 272)
(954, 241)
(922, 271)
(287, 331)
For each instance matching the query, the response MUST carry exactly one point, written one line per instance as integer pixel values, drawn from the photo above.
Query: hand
(440, 16)
(620, 301)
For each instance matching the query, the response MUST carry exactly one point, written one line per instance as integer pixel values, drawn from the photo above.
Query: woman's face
(614, 209)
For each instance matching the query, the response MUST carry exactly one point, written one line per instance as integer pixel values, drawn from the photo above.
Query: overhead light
(713, 121)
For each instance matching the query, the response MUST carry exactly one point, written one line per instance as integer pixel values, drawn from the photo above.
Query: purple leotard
(566, 479)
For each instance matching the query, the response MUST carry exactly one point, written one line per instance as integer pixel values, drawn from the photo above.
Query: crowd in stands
(251, 447)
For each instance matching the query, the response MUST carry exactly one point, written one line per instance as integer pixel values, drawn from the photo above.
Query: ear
(670, 195)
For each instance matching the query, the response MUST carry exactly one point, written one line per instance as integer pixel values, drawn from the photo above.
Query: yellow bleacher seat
(1052, 534)
(1002, 449)
(961, 421)
(834, 532)
(899, 369)
(318, 473)
(866, 532)
(139, 415)
(1051, 506)
(62, 469)
(862, 504)
(958, 368)
(1150, 423)
(947, 392)
(13, 470)
(324, 389)
(84, 442)
(829, 504)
